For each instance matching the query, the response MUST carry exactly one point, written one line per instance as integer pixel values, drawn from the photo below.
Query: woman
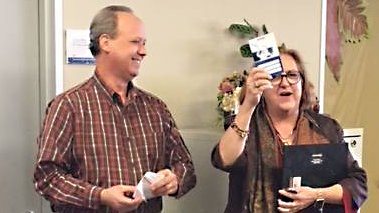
(275, 113)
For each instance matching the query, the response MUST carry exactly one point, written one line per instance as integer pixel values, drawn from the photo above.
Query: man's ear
(104, 43)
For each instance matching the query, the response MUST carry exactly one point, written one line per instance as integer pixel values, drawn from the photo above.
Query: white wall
(20, 105)
(189, 50)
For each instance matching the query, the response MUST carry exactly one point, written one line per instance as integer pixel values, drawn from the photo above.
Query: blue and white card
(266, 54)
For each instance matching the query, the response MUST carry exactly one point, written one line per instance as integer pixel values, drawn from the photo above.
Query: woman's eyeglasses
(292, 77)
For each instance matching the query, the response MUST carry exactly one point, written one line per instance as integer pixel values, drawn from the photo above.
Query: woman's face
(285, 95)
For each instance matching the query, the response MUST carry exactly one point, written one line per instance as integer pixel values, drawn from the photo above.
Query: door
(19, 108)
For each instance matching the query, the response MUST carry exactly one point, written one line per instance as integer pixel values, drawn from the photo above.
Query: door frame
(50, 59)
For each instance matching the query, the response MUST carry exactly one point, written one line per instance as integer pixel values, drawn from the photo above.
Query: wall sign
(77, 51)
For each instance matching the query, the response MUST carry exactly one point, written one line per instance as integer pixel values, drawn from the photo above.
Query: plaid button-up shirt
(90, 142)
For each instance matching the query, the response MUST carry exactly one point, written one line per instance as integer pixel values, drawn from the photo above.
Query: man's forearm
(186, 178)
(59, 187)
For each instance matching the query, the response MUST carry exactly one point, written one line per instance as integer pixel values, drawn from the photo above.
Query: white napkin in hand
(144, 186)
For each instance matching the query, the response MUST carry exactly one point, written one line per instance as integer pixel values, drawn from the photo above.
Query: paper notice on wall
(77, 50)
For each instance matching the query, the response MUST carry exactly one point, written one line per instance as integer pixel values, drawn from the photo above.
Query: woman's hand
(304, 197)
(257, 81)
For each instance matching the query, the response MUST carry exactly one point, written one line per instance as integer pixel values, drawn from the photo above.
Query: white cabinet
(354, 137)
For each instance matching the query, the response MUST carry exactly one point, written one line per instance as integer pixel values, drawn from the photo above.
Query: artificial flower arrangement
(229, 89)
(229, 92)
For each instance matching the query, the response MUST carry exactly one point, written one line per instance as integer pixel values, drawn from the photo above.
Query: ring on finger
(256, 85)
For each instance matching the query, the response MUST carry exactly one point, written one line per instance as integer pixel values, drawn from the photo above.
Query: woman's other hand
(304, 197)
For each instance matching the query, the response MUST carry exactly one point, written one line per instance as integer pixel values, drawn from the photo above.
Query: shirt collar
(113, 95)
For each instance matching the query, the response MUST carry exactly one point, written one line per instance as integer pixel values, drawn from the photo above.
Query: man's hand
(120, 198)
(167, 185)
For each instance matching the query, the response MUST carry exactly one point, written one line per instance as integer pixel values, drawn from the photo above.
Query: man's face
(127, 49)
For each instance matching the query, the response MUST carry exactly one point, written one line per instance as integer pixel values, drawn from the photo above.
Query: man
(99, 138)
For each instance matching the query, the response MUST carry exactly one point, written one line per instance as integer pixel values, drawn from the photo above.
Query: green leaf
(264, 29)
(245, 51)
(243, 30)
(255, 34)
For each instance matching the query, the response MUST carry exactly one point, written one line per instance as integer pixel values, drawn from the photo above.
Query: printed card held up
(266, 54)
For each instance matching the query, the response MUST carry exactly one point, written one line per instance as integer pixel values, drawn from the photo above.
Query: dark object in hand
(287, 199)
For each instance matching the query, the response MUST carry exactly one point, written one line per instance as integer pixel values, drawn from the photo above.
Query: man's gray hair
(105, 22)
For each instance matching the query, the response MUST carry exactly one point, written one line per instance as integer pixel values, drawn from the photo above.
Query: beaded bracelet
(242, 133)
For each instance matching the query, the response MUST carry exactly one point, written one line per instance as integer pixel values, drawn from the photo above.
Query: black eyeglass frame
(276, 81)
